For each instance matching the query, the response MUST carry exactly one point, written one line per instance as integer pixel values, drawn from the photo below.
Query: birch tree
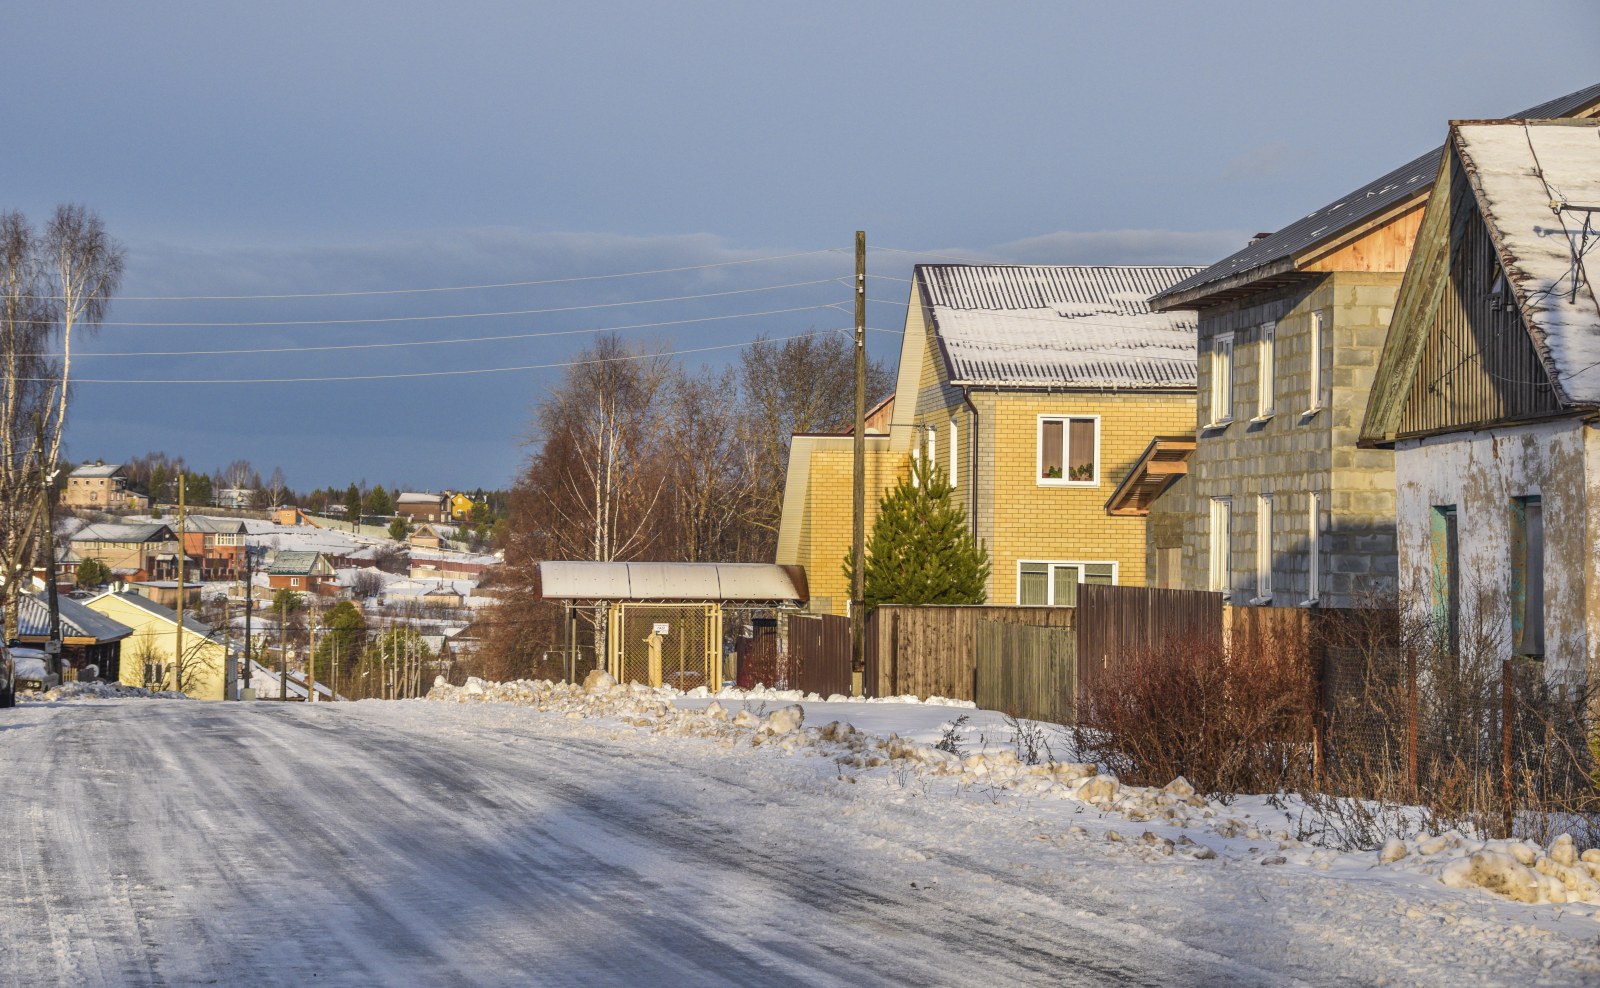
(55, 285)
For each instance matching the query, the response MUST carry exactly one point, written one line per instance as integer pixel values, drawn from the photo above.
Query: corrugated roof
(1078, 326)
(110, 532)
(293, 563)
(1515, 170)
(77, 621)
(561, 580)
(213, 526)
(1411, 180)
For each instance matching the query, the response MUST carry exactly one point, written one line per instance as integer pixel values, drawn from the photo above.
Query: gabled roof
(295, 564)
(97, 470)
(413, 497)
(1275, 254)
(159, 611)
(213, 526)
(1070, 326)
(77, 621)
(1523, 177)
(111, 532)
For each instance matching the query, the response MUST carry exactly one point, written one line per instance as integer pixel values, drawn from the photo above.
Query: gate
(677, 645)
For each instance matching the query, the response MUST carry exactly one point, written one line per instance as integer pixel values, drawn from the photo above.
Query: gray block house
(1278, 505)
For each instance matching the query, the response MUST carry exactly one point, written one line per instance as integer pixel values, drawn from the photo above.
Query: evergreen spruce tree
(920, 550)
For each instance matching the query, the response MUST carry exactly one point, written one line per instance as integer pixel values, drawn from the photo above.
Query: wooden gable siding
(1384, 247)
(1478, 365)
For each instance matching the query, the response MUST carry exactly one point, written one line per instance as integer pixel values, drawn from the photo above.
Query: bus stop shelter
(660, 624)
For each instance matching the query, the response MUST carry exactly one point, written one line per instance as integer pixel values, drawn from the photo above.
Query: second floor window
(1266, 379)
(1069, 450)
(1222, 379)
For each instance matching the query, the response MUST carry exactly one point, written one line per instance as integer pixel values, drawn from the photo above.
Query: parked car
(8, 679)
(30, 670)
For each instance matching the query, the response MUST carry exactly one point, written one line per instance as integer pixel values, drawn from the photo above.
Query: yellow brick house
(1036, 388)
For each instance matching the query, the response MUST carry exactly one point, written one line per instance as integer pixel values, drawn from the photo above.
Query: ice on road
(165, 842)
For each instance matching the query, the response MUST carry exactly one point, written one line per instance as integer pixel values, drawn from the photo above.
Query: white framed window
(1055, 584)
(1221, 544)
(1222, 379)
(1263, 549)
(1266, 370)
(294, 581)
(1316, 364)
(955, 456)
(1314, 542)
(933, 446)
(1069, 451)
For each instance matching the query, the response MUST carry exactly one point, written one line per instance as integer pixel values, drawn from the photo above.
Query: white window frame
(1316, 333)
(1066, 438)
(955, 456)
(1050, 576)
(294, 581)
(933, 446)
(1266, 371)
(1221, 379)
(1264, 558)
(1220, 539)
(1314, 543)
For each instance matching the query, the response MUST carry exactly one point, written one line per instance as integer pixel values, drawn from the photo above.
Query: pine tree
(352, 502)
(920, 550)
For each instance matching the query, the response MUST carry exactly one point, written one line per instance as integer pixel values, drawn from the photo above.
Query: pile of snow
(102, 691)
(1520, 870)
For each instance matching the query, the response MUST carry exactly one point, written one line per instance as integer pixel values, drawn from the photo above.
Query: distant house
(150, 655)
(1487, 392)
(291, 516)
(1034, 388)
(166, 592)
(145, 551)
(460, 505)
(217, 545)
(1279, 506)
(422, 507)
(234, 497)
(425, 536)
(308, 572)
(101, 486)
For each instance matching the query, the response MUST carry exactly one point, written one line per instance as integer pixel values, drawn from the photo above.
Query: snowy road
(167, 842)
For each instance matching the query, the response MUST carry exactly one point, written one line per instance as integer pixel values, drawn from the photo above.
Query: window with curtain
(1069, 450)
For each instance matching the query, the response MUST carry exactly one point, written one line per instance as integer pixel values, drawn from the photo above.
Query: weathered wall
(1479, 473)
(1307, 445)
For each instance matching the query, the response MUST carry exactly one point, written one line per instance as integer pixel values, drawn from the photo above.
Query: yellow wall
(158, 634)
(825, 531)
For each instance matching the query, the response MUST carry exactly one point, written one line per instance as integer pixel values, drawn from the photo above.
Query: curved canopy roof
(745, 582)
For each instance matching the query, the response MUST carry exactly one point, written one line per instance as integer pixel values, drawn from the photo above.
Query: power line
(266, 324)
(460, 288)
(424, 374)
(444, 342)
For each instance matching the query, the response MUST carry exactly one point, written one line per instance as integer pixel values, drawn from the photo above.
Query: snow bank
(1519, 870)
(99, 691)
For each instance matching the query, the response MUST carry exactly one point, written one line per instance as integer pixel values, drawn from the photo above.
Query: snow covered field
(629, 840)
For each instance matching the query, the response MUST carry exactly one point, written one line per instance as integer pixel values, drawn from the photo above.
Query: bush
(1228, 724)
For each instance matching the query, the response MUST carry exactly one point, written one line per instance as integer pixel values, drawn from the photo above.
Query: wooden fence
(1028, 671)
(932, 651)
(819, 646)
(1115, 624)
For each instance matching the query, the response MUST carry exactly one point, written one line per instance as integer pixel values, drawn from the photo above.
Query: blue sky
(292, 148)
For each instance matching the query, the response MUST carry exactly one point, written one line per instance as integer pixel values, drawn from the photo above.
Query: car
(8, 679)
(30, 670)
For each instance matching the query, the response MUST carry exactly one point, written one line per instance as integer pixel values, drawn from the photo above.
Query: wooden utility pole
(311, 656)
(858, 520)
(177, 656)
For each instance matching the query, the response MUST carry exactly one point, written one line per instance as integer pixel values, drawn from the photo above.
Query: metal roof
(1411, 180)
(213, 526)
(166, 614)
(672, 581)
(1075, 326)
(294, 563)
(77, 621)
(97, 470)
(110, 532)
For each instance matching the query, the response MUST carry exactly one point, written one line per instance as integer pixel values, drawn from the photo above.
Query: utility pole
(53, 647)
(249, 608)
(858, 520)
(311, 656)
(283, 648)
(177, 656)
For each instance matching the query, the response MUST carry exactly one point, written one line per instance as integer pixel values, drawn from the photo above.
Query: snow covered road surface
(425, 843)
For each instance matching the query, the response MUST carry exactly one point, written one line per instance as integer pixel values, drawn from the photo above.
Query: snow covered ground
(642, 839)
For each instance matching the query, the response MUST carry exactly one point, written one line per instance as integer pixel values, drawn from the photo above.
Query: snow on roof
(1414, 178)
(413, 497)
(294, 563)
(112, 532)
(1518, 169)
(97, 470)
(213, 526)
(1060, 325)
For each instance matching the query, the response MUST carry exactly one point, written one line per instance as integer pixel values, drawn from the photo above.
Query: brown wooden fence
(819, 646)
(932, 651)
(1117, 623)
(1028, 671)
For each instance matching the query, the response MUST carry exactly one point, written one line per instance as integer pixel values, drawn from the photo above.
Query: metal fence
(819, 650)
(1028, 671)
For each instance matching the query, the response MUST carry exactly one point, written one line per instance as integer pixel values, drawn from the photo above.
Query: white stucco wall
(1480, 473)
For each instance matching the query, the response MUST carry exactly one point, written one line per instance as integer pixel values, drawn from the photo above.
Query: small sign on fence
(661, 627)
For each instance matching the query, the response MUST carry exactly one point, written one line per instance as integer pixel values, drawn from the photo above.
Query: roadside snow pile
(100, 691)
(760, 692)
(1520, 870)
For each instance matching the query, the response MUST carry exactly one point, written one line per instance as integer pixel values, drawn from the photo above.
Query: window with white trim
(955, 456)
(1222, 379)
(933, 447)
(1048, 584)
(1266, 364)
(1314, 540)
(1316, 363)
(1221, 544)
(1069, 450)
(1263, 549)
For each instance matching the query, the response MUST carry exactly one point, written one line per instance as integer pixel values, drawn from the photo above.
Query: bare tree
(276, 487)
(711, 477)
(53, 285)
(237, 474)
